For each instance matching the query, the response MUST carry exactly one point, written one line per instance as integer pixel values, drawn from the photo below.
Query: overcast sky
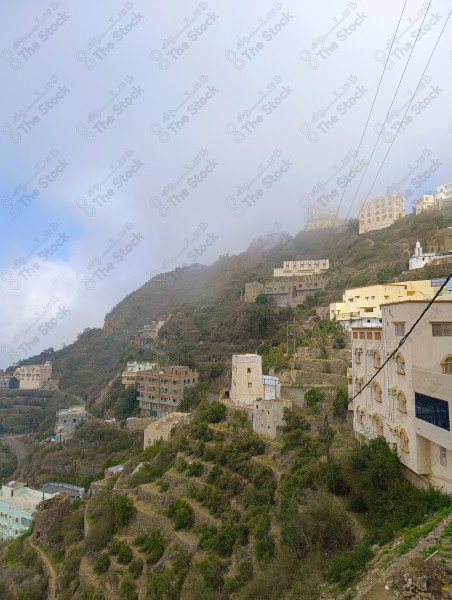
(139, 136)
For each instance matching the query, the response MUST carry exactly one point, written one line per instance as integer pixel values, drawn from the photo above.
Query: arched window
(358, 384)
(446, 365)
(404, 441)
(359, 415)
(377, 359)
(401, 401)
(377, 392)
(400, 362)
(380, 425)
(358, 356)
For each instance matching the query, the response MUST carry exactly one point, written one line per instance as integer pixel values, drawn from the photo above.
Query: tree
(313, 396)
(262, 299)
(181, 514)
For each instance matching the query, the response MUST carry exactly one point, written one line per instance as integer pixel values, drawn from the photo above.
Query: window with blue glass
(432, 410)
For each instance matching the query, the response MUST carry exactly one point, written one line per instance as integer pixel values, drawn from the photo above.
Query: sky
(136, 137)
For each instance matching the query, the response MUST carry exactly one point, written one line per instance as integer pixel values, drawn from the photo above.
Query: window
(399, 329)
(377, 359)
(362, 335)
(441, 329)
(379, 424)
(358, 384)
(359, 416)
(248, 370)
(446, 365)
(443, 456)
(401, 402)
(378, 335)
(377, 392)
(355, 335)
(432, 410)
(358, 356)
(369, 335)
(250, 385)
(400, 364)
(404, 441)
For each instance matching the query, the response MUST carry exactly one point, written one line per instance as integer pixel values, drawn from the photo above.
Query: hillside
(208, 296)
(218, 513)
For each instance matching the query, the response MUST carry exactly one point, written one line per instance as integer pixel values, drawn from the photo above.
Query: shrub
(128, 590)
(164, 485)
(152, 544)
(217, 412)
(181, 514)
(122, 549)
(212, 570)
(102, 563)
(124, 510)
(313, 396)
(195, 469)
(136, 567)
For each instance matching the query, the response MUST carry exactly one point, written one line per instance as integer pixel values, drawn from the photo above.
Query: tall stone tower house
(247, 384)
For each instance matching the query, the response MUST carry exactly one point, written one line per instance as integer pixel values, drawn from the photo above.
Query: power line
(408, 107)
(368, 116)
(405, 337)
(389, 110)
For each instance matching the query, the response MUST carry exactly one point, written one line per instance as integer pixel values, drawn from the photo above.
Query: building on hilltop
(67, 420)
(161, 429)
(8, 381)
(381, 212)
(420, 258)
(362, 305)
(424, 203)
(443, 196)
(160, 391)
(309, 266)
(33, 377)
(259, 395)
(320, 217)
(18, 508)
(409, 402)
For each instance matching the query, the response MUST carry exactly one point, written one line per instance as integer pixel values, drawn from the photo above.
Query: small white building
(67, 420)
(425, 202)
(18, 507)
(419, 259)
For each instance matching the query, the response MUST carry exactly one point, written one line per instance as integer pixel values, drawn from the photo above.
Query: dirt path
(48, 567)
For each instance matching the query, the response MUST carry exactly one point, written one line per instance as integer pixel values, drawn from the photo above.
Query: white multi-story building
(443, 195)
(410, 400)
(18, 507)
(33, 377)
(425, 202)
(381, 212)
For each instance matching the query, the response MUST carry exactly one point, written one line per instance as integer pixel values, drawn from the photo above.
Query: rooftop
(72, 409)
(167, 422)
(27, 500)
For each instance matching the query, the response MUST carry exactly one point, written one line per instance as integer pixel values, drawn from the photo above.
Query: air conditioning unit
(359, 350)
(392, 390)
(394, 428)
(370, 352)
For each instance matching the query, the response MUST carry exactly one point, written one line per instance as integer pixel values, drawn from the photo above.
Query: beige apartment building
(133, 368)
(33, 377)
(309, 266)
(410, 400)
(362, 306)
(160, 391)
(424, 203)
(381, 212)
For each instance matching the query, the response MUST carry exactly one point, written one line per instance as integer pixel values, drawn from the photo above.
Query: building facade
(443, 196)
(268, 416)
(427, 202)
(309, 266)
(409, 402)
(67, 420)
(161, 391)
(8, 382)
(381, 212)
(133, 368)
(33, 377)
(362, 306)
(441, 242)
(246, 381)
(18, 508)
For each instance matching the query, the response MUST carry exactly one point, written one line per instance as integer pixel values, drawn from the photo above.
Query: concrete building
(441, 242)
(67, 420)
(8, 381)
(443, 196)
(162, 390)
(309, 266)
(151, 330)
(161, 429)
(246, 382)
(410, 400)
(133, 368)
(18, 508)
(427, 202)
(287, 291)
(321, 217)
(33, 377)
(362, 306)
(381, 212)
(268, 416)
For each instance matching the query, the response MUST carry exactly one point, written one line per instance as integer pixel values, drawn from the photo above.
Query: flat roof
(437, 300)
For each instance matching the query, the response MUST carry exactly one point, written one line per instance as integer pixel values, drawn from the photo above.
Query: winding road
(17, 445)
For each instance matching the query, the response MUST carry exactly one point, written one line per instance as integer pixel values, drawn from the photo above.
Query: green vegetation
(8, 461)
(181, 514)
(151, 544)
